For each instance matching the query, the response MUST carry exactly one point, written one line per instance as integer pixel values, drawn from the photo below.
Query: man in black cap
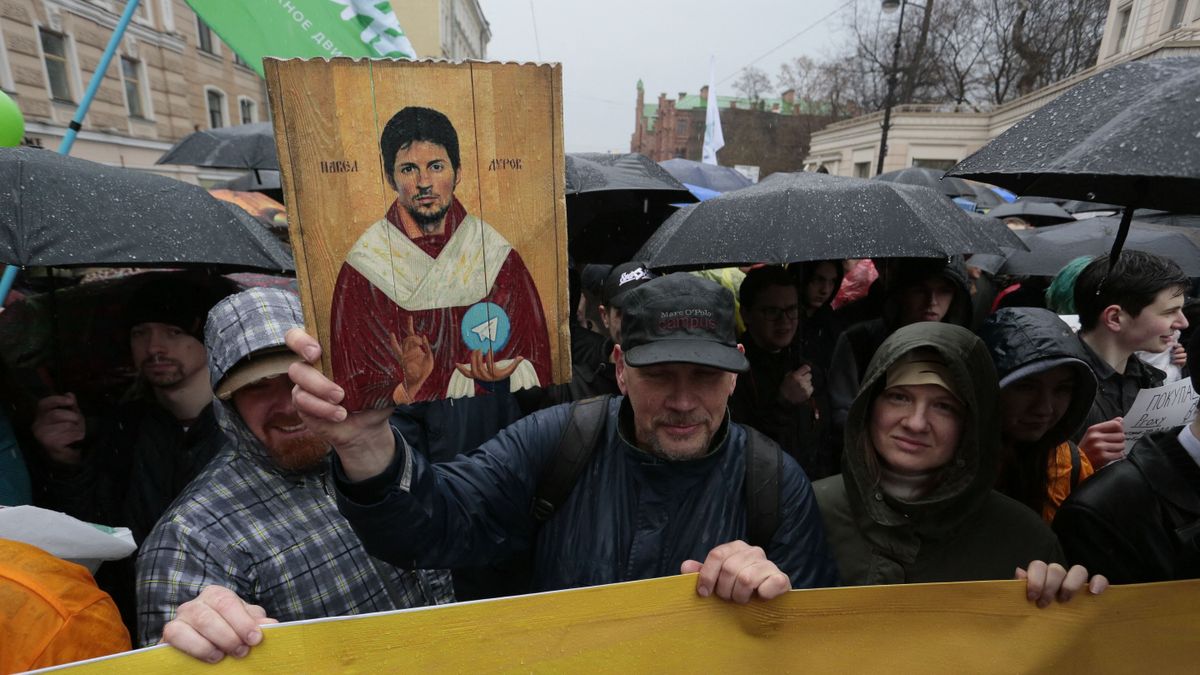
(125, 469)
(662, 492)
(593, 366)
(622, 279)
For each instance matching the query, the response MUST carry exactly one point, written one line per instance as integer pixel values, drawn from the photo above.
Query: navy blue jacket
(630, 516)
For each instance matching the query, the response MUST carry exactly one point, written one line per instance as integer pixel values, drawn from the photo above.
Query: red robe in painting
(436, 291)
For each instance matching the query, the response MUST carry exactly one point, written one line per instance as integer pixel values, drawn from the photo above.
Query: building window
(1178, 9)
(239, 61)
(936, 164)
(54, 53)
(6, 79)
(204, 37)
(131, 71)
(681, 127)
(1123, 15)
(247, 110)
(168, 15)
(216, 108)
(862, 169)
(140, 15)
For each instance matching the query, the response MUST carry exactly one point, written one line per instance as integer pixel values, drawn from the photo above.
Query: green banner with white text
(306, 28)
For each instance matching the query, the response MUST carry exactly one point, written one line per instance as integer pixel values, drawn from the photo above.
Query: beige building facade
(939, 136)
(171, 74)
(445, 29)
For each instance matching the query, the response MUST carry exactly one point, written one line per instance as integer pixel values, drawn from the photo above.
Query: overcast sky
(605, 46)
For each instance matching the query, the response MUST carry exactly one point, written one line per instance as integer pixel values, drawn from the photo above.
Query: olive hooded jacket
(962, 530)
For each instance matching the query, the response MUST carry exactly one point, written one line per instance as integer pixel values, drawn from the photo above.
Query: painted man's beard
(427, 220)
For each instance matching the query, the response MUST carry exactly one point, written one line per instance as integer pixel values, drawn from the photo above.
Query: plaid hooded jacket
(274, 537)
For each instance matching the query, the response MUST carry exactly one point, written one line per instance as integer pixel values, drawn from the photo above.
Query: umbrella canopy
(1126, 136)
(708, 176)
(993, 228)
(1050, 248)
(1078, 206)
(915, 175)
(700, 193)
(808, 216)
(66, 212)
(984, 196)
(266, 182)
(1036, 213)
(245, 146)
(589, 172)
(615, 202)
(77, 338)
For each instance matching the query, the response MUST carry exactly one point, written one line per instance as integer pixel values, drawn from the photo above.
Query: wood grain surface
(661, 625)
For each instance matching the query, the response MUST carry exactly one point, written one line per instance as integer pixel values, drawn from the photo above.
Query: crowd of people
(780, 428)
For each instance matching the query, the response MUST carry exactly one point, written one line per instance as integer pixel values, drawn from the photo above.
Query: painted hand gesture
(484, 368)
(416, 361)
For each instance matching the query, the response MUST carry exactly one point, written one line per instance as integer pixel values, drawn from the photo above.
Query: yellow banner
(662, 625)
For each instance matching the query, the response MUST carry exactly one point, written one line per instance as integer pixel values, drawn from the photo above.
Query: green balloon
(12, 122)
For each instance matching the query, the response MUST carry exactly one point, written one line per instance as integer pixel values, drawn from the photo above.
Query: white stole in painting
(461, 275)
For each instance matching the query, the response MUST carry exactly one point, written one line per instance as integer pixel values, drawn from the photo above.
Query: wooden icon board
(485, 286)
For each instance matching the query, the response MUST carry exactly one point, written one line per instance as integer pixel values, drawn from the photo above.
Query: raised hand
(362, 440)
(1104, 443)
(797, 386)
(57, 425)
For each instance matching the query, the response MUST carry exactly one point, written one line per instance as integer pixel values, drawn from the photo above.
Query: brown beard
(299, 454)
(164, 379)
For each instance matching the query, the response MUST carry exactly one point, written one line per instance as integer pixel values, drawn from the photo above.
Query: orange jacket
(51, 611)
(1059, 485)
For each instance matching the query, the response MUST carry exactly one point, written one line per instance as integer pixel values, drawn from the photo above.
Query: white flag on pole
(714, 140)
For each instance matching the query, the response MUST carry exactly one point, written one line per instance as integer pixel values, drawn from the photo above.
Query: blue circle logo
(485, 327)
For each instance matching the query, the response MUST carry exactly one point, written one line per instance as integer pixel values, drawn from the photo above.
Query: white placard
(1167, 407)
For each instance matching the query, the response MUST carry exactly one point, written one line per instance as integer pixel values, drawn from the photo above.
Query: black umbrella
(615, 202)
(995, 229)
(808, 216)
(1034, 213)
(1052, 247)
(930, 178)
(983, 196)
(1078, 206)
(707, 176)
(266, 182)
(1125, 136)
(246, 146)
(66, 212)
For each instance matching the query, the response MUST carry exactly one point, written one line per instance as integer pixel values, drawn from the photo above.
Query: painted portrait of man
(431, 301)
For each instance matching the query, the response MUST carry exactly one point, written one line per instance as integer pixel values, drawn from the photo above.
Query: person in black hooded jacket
(917, 289)
(1046, 391)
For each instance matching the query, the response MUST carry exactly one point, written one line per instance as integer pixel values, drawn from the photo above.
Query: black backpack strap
(575, 448)
(764, 471)
(1076, 465)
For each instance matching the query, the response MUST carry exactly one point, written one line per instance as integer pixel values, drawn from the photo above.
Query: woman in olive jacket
(914, 502)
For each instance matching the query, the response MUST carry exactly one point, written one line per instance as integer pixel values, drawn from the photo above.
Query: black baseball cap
(680, 318)
(624, 278)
